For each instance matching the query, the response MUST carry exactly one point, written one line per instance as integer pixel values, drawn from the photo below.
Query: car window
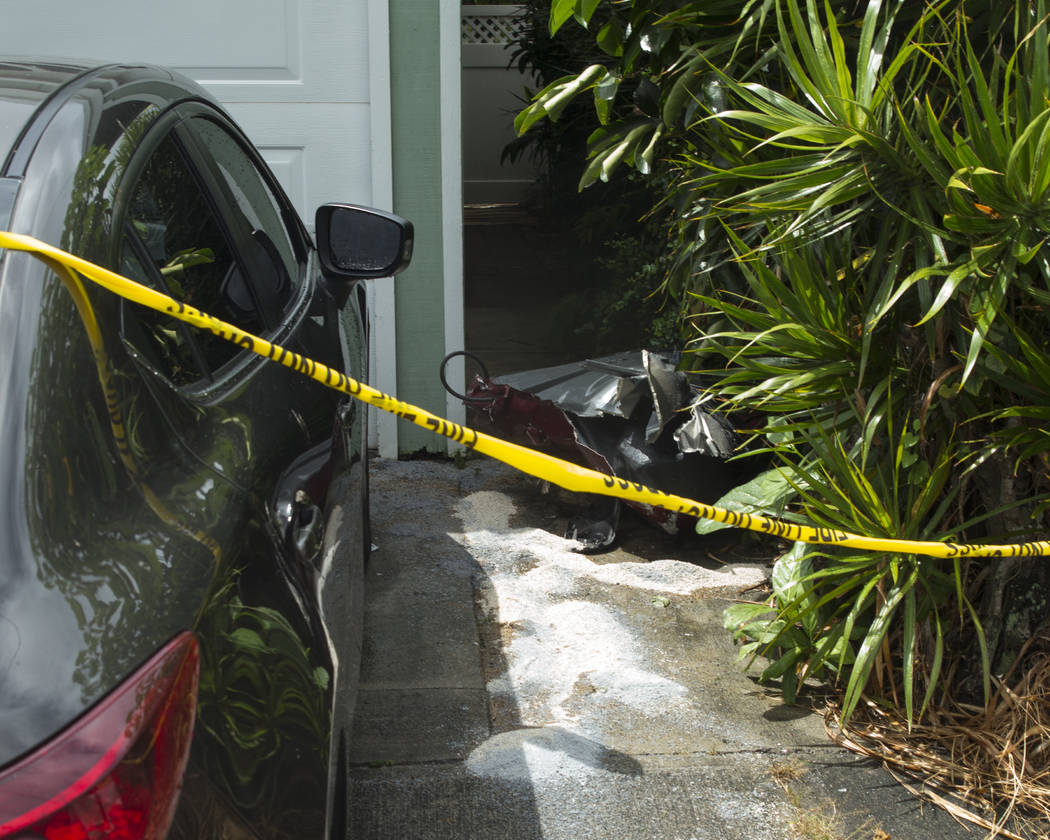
(249, 196)
(173, 241)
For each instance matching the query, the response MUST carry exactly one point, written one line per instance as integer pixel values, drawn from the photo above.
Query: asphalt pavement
(513, 689)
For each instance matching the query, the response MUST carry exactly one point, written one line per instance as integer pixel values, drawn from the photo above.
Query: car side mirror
(359, 243)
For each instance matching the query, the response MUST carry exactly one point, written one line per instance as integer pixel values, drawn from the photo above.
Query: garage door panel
(298, 75)
(293, 73)
(241, 50)
(320, 153)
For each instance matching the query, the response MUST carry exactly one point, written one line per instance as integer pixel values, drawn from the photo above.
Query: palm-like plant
(860, 205)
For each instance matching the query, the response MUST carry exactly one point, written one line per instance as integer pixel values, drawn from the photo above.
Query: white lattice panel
(490, 29)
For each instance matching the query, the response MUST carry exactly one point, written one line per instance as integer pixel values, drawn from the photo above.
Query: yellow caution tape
(73, 284)
(555, 470)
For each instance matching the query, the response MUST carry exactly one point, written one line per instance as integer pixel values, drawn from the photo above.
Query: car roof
(25, 84)
(34, 90)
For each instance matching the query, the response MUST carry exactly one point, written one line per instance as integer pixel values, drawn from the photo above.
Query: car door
(204, 223)
(202, 220)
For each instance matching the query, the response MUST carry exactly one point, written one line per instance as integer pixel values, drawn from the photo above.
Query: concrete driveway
(513, 689)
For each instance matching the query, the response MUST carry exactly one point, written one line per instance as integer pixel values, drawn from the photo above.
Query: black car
(184, 523)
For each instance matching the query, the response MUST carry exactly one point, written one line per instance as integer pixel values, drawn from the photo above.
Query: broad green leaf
(612, 156)
(737, 617)
(766, 493)
(554, 105)
(604, 95)
(584, 11)
(789, 574)
(644, 161)
(611, 37)
(248, 639)
(591, 173)
(561, 11)
(781, 666)
(749, 650)
(1026, 255)
(682, 93)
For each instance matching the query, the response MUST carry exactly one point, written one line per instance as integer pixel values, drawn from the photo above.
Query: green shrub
(858, 203)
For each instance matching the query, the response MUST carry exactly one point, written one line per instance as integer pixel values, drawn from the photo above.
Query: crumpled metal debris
(633, 415)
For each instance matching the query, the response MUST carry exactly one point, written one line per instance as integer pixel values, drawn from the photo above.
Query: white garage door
(308, 80)
(294, 73)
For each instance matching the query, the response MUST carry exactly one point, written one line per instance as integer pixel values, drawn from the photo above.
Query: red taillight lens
(116, 772)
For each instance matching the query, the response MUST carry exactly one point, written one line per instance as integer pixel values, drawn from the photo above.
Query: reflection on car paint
(137, 507)
(263, 695)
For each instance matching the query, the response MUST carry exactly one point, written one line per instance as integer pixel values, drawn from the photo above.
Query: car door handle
(307, 529)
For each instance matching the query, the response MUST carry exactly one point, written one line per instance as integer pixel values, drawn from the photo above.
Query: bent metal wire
(562, 473)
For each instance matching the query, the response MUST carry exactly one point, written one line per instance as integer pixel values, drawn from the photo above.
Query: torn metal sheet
(612, 385)
(632, 415)
(705, 433)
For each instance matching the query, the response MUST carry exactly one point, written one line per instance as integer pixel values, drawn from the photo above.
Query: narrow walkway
(514, 690)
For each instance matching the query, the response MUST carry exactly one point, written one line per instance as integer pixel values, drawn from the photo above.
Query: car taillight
(116, 772)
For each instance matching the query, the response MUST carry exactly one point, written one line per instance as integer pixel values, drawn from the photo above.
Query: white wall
(492, 95)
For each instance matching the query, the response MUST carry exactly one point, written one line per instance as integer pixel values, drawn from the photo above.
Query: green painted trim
(415, 54)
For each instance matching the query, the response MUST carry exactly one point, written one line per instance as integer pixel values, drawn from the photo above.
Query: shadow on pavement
(601, 698)
(423, 709)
